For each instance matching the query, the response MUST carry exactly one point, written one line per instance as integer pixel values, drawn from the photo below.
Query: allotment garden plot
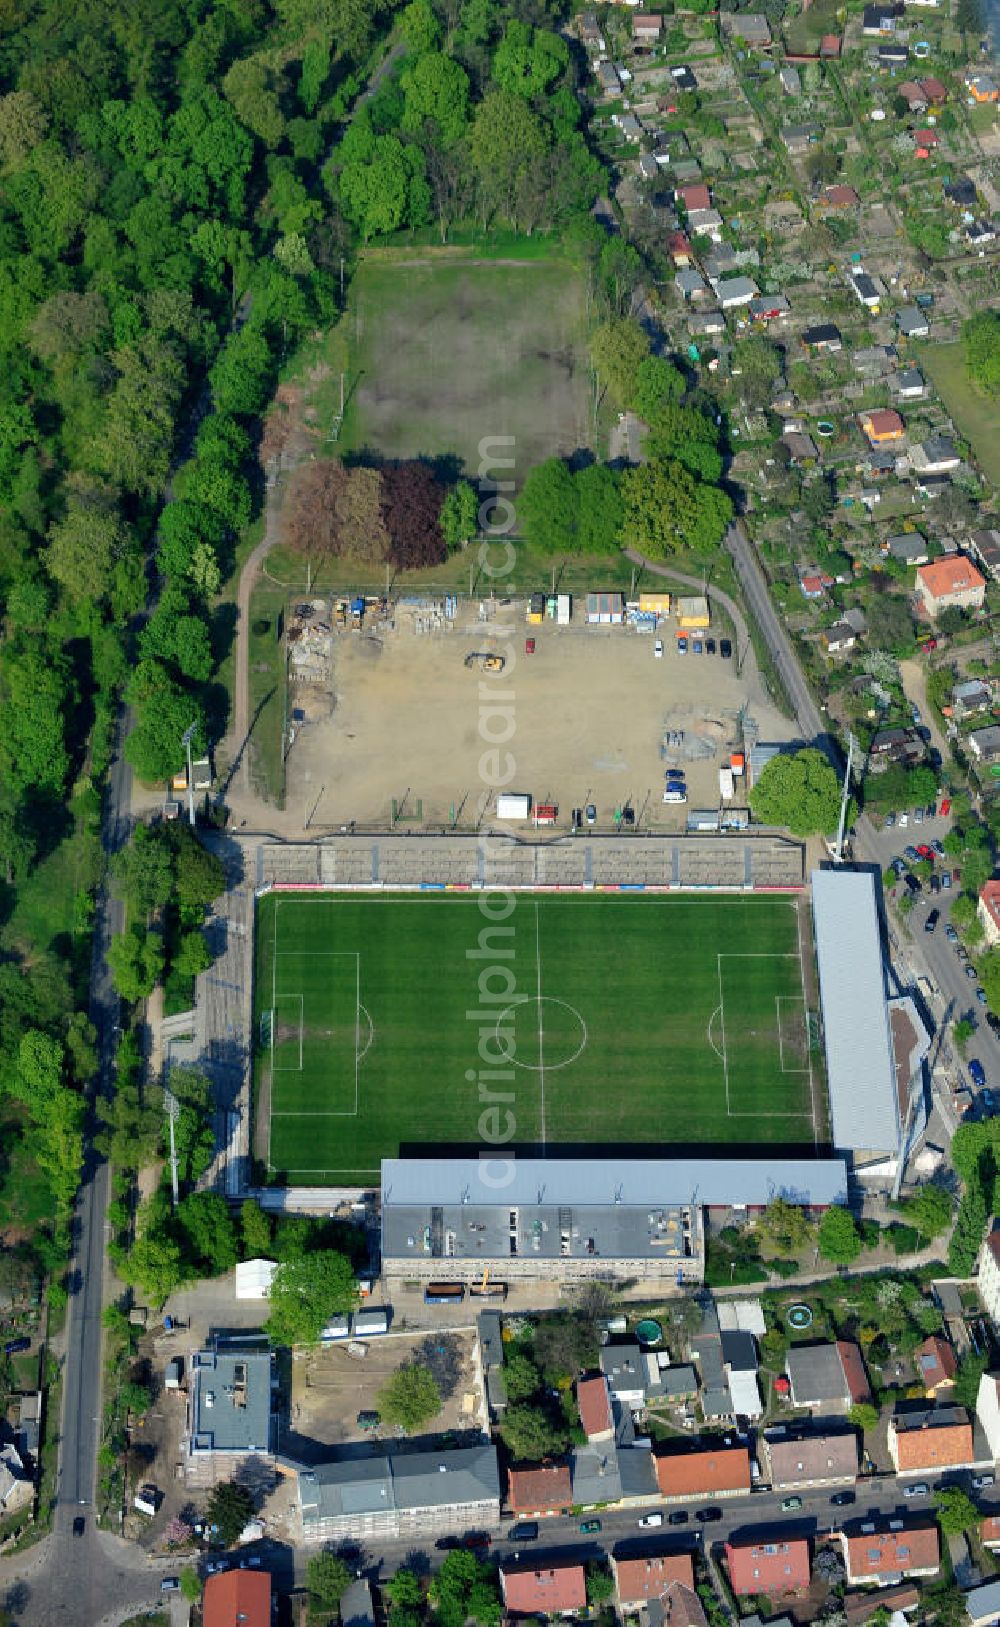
(596, 1020)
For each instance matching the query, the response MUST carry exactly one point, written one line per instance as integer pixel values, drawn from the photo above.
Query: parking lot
(331, 1387)
(584, 720)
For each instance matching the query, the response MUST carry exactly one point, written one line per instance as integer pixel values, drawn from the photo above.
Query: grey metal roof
(622, 1366)
(490, 1339)
(816, 1373)
(595, 1475)
(356, 1608)
(600, 1183)
(459, 1208)
(636, 1471)
(678, 1381)
(437, 1479)
(983, 1603)
(864, 1108)
(414, 1480)
(231, 1404)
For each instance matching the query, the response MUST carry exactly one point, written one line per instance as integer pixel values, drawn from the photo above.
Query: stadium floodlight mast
(186, 739)
(173, 1108)
(845, 798)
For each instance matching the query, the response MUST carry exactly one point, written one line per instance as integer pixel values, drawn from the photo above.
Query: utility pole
(172, 1106)
(845, 798)
(186, 739)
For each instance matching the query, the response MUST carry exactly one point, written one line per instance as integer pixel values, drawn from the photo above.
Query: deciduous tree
(530, 1434)
(305, 1293)
(838, 1236)
(410, 1398)
(799, 791)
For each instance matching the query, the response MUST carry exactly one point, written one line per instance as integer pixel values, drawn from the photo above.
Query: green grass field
(444, 349)
(608, 1020)
(975, 414)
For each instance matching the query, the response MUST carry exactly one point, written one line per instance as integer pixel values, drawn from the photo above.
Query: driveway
(915, 689)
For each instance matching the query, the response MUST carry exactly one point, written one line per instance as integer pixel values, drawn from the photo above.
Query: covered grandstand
(857, 1034)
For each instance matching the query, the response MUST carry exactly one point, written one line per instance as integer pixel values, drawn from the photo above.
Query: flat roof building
(574, 1218)
(864, 1105)
(229, 1402)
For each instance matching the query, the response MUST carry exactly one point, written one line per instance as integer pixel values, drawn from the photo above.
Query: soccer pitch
(392, 1022)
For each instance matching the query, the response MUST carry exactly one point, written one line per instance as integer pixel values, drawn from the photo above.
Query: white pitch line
(541, 1024)
(722, 1026)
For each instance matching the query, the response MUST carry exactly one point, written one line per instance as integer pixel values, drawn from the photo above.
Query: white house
(734, 291)
(988, 1411)
(989, 1275)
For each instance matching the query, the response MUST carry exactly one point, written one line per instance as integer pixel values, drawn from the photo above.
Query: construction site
(398, 711)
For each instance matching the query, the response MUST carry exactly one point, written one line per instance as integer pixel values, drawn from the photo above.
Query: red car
(945, 808)
(925, 851)
(928, 644)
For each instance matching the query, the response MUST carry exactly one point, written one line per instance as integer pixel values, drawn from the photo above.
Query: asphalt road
(927, 954)
(82, 1387)
(562, 1536)
(812, 728)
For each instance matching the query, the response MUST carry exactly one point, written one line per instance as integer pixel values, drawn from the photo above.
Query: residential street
(561, 1536)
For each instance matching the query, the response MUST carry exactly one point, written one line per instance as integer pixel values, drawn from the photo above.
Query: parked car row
(698, 646)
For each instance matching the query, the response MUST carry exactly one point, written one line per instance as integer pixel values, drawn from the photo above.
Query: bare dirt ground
(588, 714)
(330, 1387)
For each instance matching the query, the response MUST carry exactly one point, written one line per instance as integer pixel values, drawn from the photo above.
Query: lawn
(976, 415)
(606, 1021)
(445, 349)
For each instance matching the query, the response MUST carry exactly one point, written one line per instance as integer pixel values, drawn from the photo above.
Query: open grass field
(976, 416)
(605, 1020)
(443, 349)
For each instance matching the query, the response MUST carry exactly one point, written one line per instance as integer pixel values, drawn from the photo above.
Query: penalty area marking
(795, 1000)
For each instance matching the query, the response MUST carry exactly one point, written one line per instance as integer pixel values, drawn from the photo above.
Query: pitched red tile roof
(882, 424)
(952, 574)
(892, 1553)
(705, 1470)
(695, 197)
(769, 1567)
(595, 1408)
(841, 197)
(545, 1590)
(936, 1364)
(934, 90)
(989, 895)
(989, 1530)
(859, 1606)
(682, 1607)
(542, 1490)
(854, 1370)
(237, 1596)
(926, 138)
(646, 1578)
(934, 1446)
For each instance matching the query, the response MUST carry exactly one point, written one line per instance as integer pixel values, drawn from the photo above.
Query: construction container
(656, 603)
(536, 609)
(693, 612)
(738, 763)
(368, 1324)
(606, 608)
(513, 805)
(564, 609)
(336, 1329)
(726, 786)
(545, 813)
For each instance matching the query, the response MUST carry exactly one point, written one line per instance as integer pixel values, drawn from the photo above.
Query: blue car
(977, 1073)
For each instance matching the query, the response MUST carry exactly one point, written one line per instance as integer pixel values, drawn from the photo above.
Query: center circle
(550, 1030)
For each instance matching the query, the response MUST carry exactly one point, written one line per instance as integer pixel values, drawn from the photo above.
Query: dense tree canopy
(800, 791)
